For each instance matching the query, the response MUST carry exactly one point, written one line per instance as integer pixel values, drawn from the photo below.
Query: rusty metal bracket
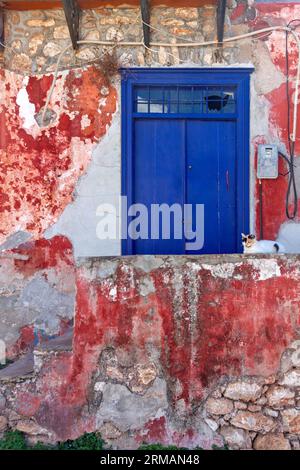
(221, 10)
(72, 14)
(145, 10)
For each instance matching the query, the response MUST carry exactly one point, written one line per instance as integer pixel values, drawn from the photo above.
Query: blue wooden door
(159, 178)
(211, 180)
(181, 132)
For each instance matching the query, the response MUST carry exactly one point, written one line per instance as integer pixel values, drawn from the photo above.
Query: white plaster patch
(101, 184)
(224, 271)
(85, 121)
(113, 293)
(267, 268)
(146, 287)
(26, 109)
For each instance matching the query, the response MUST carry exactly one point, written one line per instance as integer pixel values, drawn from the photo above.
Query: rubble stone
(279, 397)
(187, 13)
(30, 427)
(39, 23)
(61, 32)
(142, 377)
(219, 406)
(21, 62)
(236, 438)
(34, 42)
(109, 431)
(253, 421)
(2, 401)
(291, 420)
(3, 423)
(271, 412)
(212, 424)
(271, 441)
(291, 378)
(51, 49)
(240, 405)
(243, 391)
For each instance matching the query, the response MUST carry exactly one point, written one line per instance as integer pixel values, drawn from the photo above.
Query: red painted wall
(199, 321)
(274, 191)
(39, 167)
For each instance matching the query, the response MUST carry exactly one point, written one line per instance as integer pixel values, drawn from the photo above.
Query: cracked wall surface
(54, 179)
(37, 293)
(200, 348)
(192, 351)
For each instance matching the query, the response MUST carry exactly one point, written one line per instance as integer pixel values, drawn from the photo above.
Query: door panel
(211, 180)
(158, 175)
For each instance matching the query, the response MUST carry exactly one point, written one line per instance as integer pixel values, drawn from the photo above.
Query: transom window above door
(152, 99)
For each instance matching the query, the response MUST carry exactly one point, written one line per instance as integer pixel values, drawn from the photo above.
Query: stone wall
(192, 351)
(37, 37)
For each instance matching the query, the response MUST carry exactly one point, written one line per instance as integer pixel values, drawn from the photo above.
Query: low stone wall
(192, 351)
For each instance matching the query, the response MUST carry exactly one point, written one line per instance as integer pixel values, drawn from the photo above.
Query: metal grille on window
(185, 99)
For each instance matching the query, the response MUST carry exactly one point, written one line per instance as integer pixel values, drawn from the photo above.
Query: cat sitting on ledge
(251, 245)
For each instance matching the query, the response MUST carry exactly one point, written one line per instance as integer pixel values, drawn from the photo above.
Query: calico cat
(251, 245)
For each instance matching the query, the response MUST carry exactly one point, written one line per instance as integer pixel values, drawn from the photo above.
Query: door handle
(227, 180)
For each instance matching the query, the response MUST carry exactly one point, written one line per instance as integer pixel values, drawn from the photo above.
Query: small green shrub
(88, 441)
(13, 440)
(225, 447)
(158, 447)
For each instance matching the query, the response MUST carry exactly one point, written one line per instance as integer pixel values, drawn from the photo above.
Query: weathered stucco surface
(54, 179)
(184, 350)
(37, 293)
(41, 166)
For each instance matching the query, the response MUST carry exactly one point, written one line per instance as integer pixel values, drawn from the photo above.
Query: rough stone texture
(3, 423)
(279, 397)
(167, 319)
(291, 420)
(220, 406)
(239, 405)
(37, 291)
(123, 377)
(142, 377)
(109, 431)
(244, 391)
(128, 411)
(271, 441)
(236, 438)
(34, 49)
(291, 378)
(253, 421)
(31, 428)
(2, 402)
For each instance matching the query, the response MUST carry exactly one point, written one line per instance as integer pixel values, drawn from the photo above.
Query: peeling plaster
(47, 162)
(224, 271)
(266, 270)
(26, 109)
(100, 185)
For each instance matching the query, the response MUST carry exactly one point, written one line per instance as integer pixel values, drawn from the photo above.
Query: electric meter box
(267, 162)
